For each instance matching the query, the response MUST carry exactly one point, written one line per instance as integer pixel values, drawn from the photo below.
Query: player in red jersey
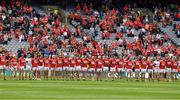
(106, 67)
(120, 67)
(162, 70)
(53, 65)
(137, 65)
(92, 68)
(128, 67)
(156, 68)
(72, 68)
(144, 65)
(78, 67)
(22, 67)
(112, 68)
(46, 67)
(174, 69)
(168, 69)
(59, 68)
(35, 66)
(14, 64)
(99, 69)
(40, 66)
(65, 67)
(84, 65)
(2, 65)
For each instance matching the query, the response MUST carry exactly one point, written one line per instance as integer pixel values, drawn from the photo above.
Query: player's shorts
(174, 70)
(150, 70)
(34, 68)
(99, 70)
(92, 69)
(65, 68)
(78, 68)
(71, 69)
(40, 68)
(112, 69)
(143, 70)
(105, 69)
(137, 70)
(22, 68)
(46, 68)
(156, 70)
(128, 70)
(28, 68)
(2, 67)
(168, 70)
(15, 68)
(162, 70)
(52, 68)
(84, 68)
(119, 69)
(58, 69)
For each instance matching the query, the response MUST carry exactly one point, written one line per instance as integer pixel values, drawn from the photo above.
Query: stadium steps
(14, 45)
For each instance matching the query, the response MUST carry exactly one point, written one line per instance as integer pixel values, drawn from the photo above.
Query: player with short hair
(72, 68)
(34, 67)
(14, 64)
(168, 69)
(92, 66)
(120, 67)
(156, 69)
(53, 65)
(128, 67)
(59, 67)
(137, 65)
(162, 70)
(78, 67)
(46, 67)
(22, 66)
(40, 66)
(66, 66)
(174, 69)
(112, 67)
(150, 65)
(84, 65)
(106, 67)
(99, 69)
(2, 65)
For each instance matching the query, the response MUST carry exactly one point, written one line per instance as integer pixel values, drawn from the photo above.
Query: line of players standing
(67, 68)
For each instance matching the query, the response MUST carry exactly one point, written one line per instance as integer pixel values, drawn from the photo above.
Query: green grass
(105, 90)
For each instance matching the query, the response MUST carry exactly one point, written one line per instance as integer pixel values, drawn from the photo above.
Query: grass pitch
(105, 90)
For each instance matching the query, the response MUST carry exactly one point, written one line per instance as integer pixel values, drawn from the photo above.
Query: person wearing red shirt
(14, 64)
(72, 68)
(66, 66)
(46, 67)
(106, 67)
(174, 69)
(144, 65)
(162, 69)
(150, 69)
(137, 65)
(120, 67)
(99, 69)
(112, 67)
(128, 67)
(35, 62)
(53, 65)
(85, 64)
(22, 66)
(78, 67)
(92, 68)
(59, 67)
(2, 64)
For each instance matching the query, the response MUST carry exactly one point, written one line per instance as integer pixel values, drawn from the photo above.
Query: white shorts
(156, 70)
(40, 68)
(174, 70)
(22, 68)
(143, 70)
(120, 69)
(59, 69)
(92, 69)
(112, 69)
(137, 70)
(78, 68)
(162, 70)
(52, 68)
(128, 70)
(99, 69)
(168, 70)
(34, 68)
(71, 69)
(46, 68)
(84, 68)
(65, 68)
(2, 66)
(28, 68)
(105, 69)
(150, 70)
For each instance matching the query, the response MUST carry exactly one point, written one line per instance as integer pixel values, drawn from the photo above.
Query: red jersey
(174, 64)
(150, 65)
(34, 62)
(137, 64)
(129, 65)
(78, 62)
(162, 65)
(106, 62)
(72, 63)
(169, 64)
(144, 64)
(120, 64)
(66, 62)
(2, 60)
(85, 63)
(112, 62)
(92, 64)
(22, 61)
(14, 62)
(53, 63)
(60, 62)
(46, 62)
(40, 61)
(99, 63)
